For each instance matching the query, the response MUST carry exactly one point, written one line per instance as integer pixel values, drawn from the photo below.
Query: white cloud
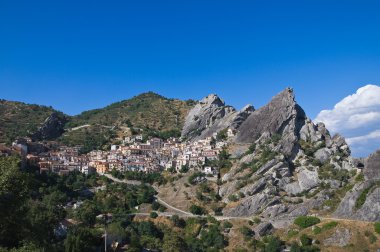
(356, 117)
(374, 135)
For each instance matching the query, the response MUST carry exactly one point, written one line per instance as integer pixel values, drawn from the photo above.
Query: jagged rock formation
(52, 128)
(372, 166)
(293, 157)
(281, 116)
(368, 192)
(211, 115)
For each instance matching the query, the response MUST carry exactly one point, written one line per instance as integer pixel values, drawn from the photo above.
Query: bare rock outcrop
(306, 180)
(369, 211)
(281, 116)
(340, 238)
(52, 128)
(211, 115)
(372, 166)
(249, 206)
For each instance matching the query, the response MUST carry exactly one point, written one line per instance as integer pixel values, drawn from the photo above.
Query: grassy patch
(363, 197)
(377, 227)
(329, 225)
(292, 233)
(306, 221)
(317, 230)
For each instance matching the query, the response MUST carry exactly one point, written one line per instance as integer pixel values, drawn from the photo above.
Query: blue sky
(79, 55)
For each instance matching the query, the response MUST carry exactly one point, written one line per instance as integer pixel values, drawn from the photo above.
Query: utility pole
(105, 232)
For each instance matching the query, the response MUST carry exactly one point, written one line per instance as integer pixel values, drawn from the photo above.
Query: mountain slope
(19, 119)
(283, 165)
(150, 112)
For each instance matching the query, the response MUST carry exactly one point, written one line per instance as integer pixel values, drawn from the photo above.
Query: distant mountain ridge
(18, 119)
(148, 111)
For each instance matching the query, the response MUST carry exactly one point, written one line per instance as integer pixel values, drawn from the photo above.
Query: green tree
(197, 210)
(43, 217)
(213, 238)
(153, 215)
(80, 239)
(87, 213)
(305, 240)
(13, 195)
(274, 244)
(222, 135)
(173, 243)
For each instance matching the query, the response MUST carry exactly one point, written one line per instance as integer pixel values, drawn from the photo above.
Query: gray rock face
(370, 211)
(310, 132)
(274, 164)
(275, 211)
(340, 238)
(281, 116)
(263, 229)
(51, 128)
(249, 206)
(323, 155)
(210, 116)
(255, 188)
(306, 181)
(372, 166)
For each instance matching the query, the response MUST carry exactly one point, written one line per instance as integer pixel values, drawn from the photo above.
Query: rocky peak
(212, 99)
(247, 109)
(282, 115)
(211, 115)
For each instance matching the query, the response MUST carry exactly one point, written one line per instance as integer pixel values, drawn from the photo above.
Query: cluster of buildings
(154, 155)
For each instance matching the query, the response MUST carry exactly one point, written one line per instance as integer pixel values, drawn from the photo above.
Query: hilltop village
(133, 154)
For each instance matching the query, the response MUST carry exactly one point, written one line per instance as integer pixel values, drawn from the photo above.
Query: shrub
(178, 222)
(317, 230)
(292, 233)
(306, 221)
(222, 135)
(363, 197)
(192, 179)
(197, 210)
(273, 244)
(155, 205)
(257, 220)
(372, 238)
(153, 215)
(184, 169)
(233, 198)
(328, 171)
(251, 149)
(246, 231)
(276, 138)
(306, 240)
(162, 208)
(241, 195)
(359, 178)
(227, 225)
(377, 227)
